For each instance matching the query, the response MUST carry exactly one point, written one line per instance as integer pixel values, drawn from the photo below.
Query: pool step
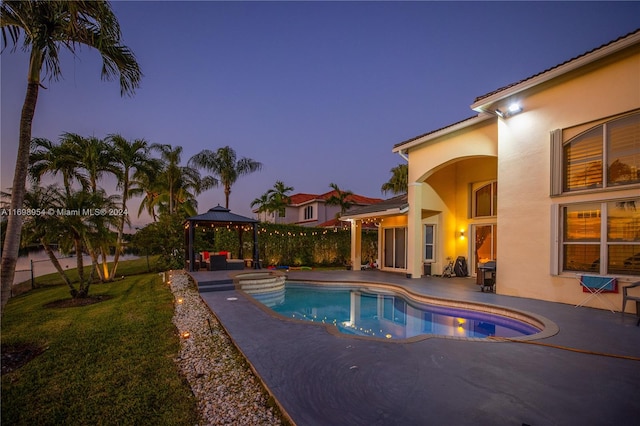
(218, 285)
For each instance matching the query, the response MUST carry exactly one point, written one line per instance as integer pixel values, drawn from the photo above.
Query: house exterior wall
(399, 221)
(440, 174)
(524, 171)
(517, 152)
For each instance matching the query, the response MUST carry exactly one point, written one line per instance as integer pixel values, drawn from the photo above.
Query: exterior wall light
(513, 109)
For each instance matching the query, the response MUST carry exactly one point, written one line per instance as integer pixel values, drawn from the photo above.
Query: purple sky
(319, 92)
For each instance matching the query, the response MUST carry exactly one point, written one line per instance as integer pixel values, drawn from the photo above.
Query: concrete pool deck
(322, 379)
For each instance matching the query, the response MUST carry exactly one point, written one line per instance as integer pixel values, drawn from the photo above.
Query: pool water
(366, 311)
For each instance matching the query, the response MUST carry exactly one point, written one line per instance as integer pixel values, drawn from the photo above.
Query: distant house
(544, 179)
(313, 210)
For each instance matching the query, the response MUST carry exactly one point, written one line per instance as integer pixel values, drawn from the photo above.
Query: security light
(515, 108)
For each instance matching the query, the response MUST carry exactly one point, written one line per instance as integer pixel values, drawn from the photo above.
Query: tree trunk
(227, 192)
(95, 261)
(105, 265)
(56, 264)
(14, 222)
(116, 256)
(80, 268)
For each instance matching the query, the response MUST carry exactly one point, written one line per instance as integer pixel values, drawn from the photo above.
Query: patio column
(414, 230)
(356, 244)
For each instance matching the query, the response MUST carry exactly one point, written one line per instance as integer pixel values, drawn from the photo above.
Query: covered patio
(219, 217)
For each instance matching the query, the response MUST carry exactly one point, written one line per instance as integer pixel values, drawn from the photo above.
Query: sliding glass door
(395, 248)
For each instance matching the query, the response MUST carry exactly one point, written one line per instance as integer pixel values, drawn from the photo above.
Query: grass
(105, 363)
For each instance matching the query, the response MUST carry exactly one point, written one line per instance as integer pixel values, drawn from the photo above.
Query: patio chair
(595, 285)
(217, 262)
(626, 296)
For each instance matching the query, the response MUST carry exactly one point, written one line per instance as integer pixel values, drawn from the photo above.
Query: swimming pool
(382, 312)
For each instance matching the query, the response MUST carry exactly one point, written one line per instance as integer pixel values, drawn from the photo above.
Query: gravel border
(227, 391)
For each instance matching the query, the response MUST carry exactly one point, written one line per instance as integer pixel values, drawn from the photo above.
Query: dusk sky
(319, 92)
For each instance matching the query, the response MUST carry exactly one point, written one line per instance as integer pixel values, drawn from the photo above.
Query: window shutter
(556, 162)
(555, 240)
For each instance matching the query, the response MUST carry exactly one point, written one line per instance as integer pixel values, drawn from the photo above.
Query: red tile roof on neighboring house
(301, 198)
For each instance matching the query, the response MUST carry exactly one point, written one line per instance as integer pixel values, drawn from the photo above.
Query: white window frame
(425, 243)
(558, 244)
(308, 212)
(557, 159)
(477, 187)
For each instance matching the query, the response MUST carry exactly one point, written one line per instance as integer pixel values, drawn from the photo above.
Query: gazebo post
(240, 250)
(186, 246)
(192, 257)
(256, 257)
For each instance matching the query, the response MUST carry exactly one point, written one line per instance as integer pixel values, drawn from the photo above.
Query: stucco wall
(516, 150)
(442, 171)
(524, 201)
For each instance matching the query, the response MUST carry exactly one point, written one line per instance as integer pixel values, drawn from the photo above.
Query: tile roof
(396, 203)
(220, 214)
(337, 223)
(479, 98)
(302, 198)
(434, 131)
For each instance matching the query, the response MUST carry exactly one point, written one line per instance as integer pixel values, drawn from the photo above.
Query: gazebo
(218, 217)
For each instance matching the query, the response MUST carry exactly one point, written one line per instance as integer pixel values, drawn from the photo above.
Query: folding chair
(595, 286)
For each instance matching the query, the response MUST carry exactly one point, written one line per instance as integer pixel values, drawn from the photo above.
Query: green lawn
(105, 363)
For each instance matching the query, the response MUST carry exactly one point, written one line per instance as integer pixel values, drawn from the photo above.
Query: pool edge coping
(547, 327)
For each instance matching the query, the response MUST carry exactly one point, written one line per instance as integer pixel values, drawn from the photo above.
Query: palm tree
(399, 182)
(223, 164)
(178, 186)
(150, 190)
(45, 229)
(340, 198)
(48, 157)
(262, 203)
(274, 200)
(171, 172)
(131, 160)
(84, 232)
(94, 157)
(278, 198)
(45, 26)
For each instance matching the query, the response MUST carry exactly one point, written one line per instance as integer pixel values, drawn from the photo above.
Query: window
(394, 309)
(429, 239)
(485, 200)
(604, 156)
(308, 212)
(602, 237)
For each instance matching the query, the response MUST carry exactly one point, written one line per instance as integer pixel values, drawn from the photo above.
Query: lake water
(43, 266)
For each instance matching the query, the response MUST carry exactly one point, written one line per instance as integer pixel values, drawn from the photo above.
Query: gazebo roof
(220, 215)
